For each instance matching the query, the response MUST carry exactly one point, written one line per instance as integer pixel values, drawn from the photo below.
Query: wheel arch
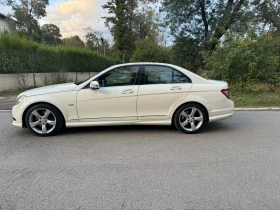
(33, 104)
(191, 102)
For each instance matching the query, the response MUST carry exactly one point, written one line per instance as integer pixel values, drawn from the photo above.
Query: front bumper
(17, 116)
(17, 124)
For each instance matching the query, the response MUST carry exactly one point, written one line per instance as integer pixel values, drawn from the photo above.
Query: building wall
(10, 81)
(3, 25)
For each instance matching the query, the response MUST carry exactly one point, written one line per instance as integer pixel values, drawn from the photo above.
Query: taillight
(225, 92)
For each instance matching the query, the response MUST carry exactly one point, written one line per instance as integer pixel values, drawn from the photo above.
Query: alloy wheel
(191, 119)
(42, 121)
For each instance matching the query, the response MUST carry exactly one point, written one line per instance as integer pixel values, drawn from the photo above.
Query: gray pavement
(6, 103)
(232, 164)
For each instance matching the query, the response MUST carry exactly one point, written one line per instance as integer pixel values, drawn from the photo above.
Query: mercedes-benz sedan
(126, 94)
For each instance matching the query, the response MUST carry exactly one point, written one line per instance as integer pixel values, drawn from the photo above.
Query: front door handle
(127, 91)
(176, 88)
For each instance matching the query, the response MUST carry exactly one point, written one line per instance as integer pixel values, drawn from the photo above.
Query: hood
(49, 89)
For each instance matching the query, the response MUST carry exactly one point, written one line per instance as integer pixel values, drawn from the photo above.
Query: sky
(72, 16)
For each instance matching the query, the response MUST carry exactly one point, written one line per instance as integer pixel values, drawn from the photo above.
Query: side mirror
(94, 85)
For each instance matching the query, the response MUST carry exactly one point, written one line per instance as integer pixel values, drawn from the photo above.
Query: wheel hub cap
(42, 121)
(191, 119)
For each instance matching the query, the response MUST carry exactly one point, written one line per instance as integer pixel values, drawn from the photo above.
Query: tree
(93, 36)
(50, 34)
(26, 12)
(146, 24)
(120, 25)
(205, 21)
(147, 50)
(186, 52)
(269, 13)
(73, 41)
(95, 40)
(199, 25)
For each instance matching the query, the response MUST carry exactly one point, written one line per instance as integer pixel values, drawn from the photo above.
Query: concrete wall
(11, 81)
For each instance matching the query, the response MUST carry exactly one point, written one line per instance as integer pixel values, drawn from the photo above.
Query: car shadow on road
(117, 129)
(218, 127)
(208, 128)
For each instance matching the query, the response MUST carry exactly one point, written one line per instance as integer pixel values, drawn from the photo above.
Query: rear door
(161, 88)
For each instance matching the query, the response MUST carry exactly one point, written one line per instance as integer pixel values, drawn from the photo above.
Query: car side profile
(126, 94)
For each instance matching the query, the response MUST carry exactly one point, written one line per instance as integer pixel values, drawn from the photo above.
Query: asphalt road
(232, 164)
(7, 105)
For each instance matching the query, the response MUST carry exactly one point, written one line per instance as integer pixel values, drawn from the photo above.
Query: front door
(114, 101)
(161, 89)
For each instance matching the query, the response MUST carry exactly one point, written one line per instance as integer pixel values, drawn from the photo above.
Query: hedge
(21, 55)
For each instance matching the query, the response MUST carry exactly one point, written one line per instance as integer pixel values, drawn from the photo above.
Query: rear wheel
(44, 120)
(190, 118)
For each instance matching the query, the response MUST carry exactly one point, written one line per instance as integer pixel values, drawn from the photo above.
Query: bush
(21, 55)
(243, 60)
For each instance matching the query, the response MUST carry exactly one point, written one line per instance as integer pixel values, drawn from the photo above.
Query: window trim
(137, 80)
(142, 82)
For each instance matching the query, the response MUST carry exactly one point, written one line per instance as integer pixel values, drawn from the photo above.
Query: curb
(258, 109)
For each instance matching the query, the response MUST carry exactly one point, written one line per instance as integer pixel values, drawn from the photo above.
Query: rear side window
(163, 75)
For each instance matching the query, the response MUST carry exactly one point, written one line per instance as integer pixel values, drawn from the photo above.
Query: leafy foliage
(186, 53)
(50, 34)
(96, 41)
(147, 50)
(203, 20)
(129, 22)
(246, 60)
(268, 13)
(93, 36)
(74, 41)
(121, 25)
(146, 24)
(26, 12)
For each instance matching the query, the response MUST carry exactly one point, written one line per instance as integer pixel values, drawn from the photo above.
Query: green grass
(15, 92)
(255, 99)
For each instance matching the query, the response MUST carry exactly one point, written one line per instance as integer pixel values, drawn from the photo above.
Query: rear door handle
(127, 91)
(176, 88)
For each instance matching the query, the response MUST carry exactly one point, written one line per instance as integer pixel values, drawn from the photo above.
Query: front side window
(163, 75)
(122, 76)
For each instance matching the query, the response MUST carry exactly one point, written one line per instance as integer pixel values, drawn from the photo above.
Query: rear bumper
(222, 114)
(220, 117)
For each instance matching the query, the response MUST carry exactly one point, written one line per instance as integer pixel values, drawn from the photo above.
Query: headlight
(20, 99)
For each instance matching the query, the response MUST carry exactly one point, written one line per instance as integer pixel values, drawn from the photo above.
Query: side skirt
(111, 123)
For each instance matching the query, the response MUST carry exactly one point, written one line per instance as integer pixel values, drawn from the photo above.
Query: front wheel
(43, 120)
(190, 118)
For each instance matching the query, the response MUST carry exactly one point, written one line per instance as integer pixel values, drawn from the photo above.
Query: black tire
(55, 114)
(178, 118)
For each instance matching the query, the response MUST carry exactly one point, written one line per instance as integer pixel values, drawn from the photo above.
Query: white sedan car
(127, 94)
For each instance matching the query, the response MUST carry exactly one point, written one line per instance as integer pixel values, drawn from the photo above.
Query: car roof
(146, 63)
